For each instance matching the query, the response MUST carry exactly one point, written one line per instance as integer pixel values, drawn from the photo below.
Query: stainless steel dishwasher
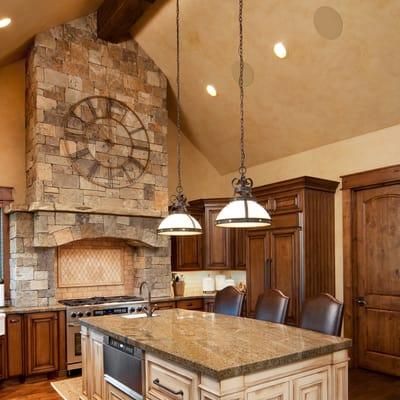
(124, 367)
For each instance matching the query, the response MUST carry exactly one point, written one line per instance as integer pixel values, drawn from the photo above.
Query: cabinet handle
(174, 392)
(189, 305)
(14, 321)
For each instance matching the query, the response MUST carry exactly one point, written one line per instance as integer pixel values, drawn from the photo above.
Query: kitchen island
(197, 355)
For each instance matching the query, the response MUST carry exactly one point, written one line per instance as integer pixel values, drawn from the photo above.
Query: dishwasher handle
(174, 392)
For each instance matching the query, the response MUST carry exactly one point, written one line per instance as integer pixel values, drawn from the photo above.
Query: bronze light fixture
(179, 222)
(242, 211)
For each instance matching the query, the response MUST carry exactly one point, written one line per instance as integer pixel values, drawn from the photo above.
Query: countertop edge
(31, 309)
(229, 372)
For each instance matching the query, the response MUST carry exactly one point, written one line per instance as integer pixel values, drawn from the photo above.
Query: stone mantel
(56, 207)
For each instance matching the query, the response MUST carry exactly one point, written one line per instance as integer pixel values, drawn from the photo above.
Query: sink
(2, 324)
(140, 315)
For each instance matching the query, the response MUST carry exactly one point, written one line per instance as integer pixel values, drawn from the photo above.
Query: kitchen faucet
(148, 309)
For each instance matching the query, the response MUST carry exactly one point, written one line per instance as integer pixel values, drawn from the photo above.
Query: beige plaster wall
(200, 179)
(373, 150)
(12, 128)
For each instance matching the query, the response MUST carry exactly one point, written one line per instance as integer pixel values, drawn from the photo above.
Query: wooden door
(285, 269)
(96, 374)
(187, 250)
(257, 262)
(217, 242)
(41, 342)
(15, 345)
(378, 283)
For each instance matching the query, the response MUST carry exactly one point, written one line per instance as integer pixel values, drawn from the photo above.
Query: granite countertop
(218, 345)
(27, 309)
(184, 297)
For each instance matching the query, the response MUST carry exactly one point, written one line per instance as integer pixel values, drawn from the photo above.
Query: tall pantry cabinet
(296, 254)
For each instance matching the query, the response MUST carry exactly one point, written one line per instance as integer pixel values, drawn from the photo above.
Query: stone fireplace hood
(53, 229)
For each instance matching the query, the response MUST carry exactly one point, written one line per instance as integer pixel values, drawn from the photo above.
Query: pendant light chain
(242, 169)
(179, 188)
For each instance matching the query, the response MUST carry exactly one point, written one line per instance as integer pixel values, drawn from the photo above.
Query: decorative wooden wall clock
(107, 142)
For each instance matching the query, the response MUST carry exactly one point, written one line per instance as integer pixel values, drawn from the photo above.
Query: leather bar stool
(272, 306)
(322, 313)
(229, 301)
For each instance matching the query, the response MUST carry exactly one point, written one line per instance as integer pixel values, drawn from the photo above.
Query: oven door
(74, 348)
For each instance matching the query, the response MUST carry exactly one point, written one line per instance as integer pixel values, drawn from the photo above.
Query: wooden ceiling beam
(115, 18)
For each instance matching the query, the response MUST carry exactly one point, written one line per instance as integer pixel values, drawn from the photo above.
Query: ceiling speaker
(328, 22)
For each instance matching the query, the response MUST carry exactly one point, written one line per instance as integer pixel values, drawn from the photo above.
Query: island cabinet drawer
(196, 304)
(313, 386)
(166, 381)
(270, 391)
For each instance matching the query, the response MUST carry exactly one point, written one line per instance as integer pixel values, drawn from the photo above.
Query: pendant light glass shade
(243, 213)
(179, 222)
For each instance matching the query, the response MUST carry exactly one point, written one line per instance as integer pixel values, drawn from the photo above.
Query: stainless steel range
(93, 306)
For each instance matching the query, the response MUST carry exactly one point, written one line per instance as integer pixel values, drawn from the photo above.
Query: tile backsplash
(194, 279)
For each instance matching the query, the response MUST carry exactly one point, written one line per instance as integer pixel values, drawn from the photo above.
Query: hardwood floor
(363, 385)
(29, 391)
(366, 385)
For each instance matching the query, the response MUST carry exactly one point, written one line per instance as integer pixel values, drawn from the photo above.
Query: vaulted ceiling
(327, 89)
(324, 91)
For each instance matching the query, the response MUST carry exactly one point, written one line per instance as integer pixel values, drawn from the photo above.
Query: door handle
(174, 392)
(361, 301)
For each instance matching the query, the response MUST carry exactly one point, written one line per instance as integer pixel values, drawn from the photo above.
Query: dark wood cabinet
(15, 345)
(218, 249)
(285, 267)
(187, 251)
(34, 343)
(3, 357)
(238, 243)
(214, 249)
(208, 304)
(165, 305)
(296, 253)
(258, 274)
(41, 343)
(195, 304)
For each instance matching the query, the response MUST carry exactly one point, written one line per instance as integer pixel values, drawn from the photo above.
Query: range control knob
(80, 314)
(88, 313)
(132, 309)
(139, 309)
(73, 315)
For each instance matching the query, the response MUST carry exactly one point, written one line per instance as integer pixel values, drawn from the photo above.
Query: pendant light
(179, 222)
(242, 211)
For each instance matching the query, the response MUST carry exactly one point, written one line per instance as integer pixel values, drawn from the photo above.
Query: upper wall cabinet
(211, 250)
(187, 251)
(218, 249)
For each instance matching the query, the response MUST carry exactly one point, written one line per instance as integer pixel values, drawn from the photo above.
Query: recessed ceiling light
(211, 90)
(5, 22)
(280, 50)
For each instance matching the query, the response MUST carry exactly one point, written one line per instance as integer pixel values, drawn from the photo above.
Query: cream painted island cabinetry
(193, 355)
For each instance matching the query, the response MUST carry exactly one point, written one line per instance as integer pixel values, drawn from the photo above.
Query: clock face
(107, 142)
